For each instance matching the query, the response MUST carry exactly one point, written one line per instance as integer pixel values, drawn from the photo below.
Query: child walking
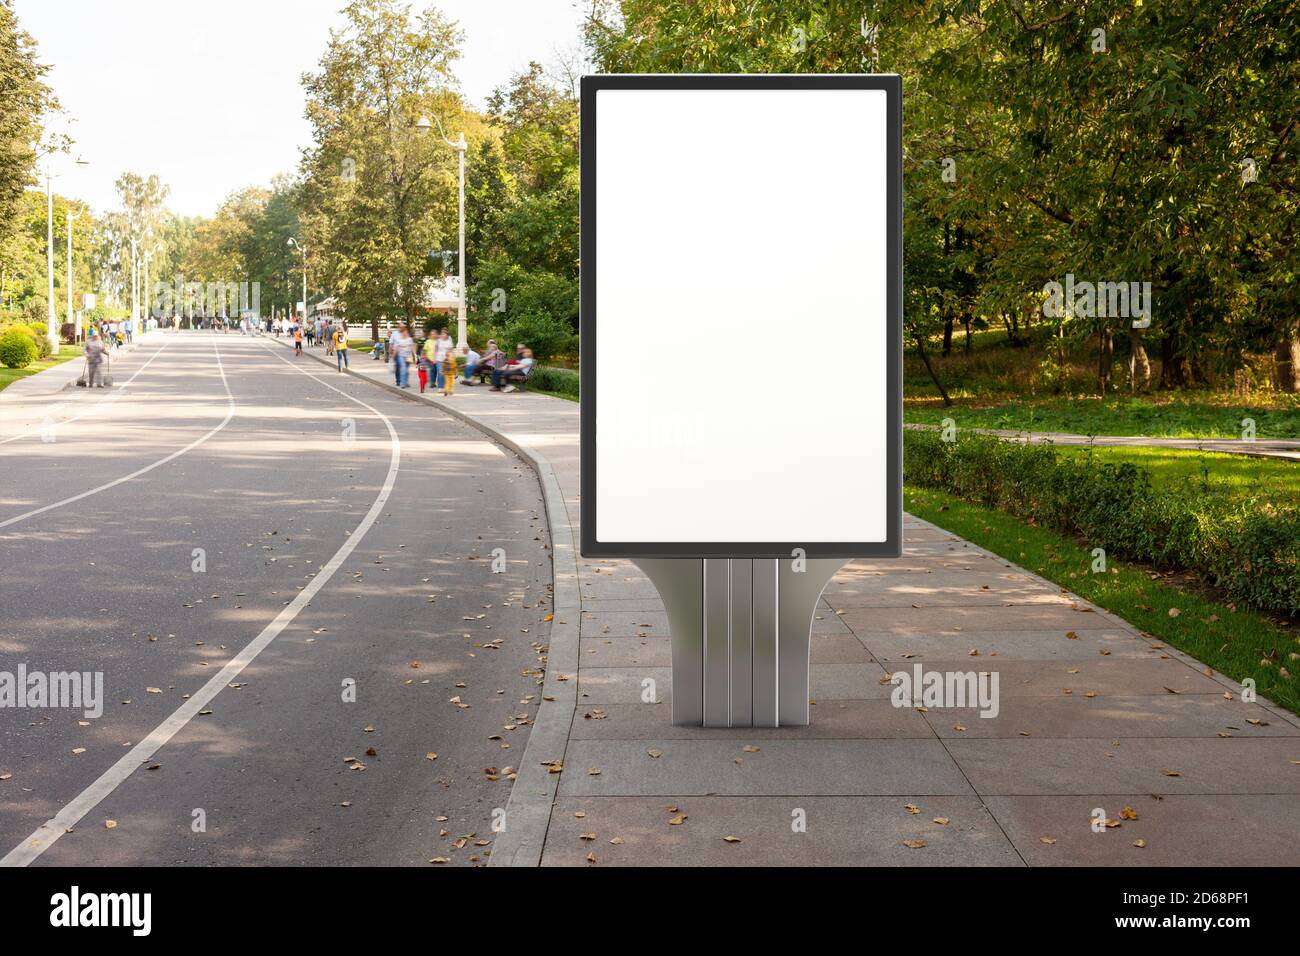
(449, 374)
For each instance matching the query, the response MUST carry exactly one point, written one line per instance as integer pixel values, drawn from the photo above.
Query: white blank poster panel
(741, 256)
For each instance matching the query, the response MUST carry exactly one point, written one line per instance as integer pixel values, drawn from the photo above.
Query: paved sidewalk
(1092, 716)
(50, 394)
(1255, 448)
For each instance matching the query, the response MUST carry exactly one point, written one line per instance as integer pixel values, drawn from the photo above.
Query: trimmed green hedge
(548, 379)
(1249, 547)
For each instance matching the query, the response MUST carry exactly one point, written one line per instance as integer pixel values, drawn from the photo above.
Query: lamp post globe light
(459, 145)
(72, 217)
(51, 317)
(299, 246)
(135, 241)
(144, 313)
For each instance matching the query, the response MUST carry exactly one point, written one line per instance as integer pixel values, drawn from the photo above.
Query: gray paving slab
(944, 620)
(1105, 675)
(1029, 765)
(778, 767)
(1112, 716)
(1085, 644)
(862, 719)
(1231, 830)
(840, 831)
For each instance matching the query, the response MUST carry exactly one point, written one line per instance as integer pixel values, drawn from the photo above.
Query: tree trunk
(1105, 359)
(1012, 321)
(1139, 366)
(920, 348)
(965, 320)
(1287, 355)
(1175, 369)
(947, 316)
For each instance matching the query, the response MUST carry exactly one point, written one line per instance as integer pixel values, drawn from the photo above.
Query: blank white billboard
(740, 316)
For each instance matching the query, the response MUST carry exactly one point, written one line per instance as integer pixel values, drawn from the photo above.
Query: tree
(24, 102)
(1107, 139)
(376, 195)
(525, 249)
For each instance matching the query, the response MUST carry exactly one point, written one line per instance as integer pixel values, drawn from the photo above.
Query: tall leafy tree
(376, 196)
(25, 100)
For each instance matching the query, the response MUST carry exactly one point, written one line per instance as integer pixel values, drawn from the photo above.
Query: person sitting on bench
(516, 370)
(487, 363)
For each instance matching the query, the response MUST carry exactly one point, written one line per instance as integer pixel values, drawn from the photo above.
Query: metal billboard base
(740, 636)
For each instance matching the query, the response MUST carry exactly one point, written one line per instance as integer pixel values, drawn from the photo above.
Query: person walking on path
(448, 375)
(297, 340)
(94, 361)
(403, 354)
(442, 347)
(339, 343)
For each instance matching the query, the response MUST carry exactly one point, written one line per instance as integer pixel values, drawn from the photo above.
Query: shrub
(561, 380)
(35, 309)
(1250, 549)
(40, 338)
(17, 350)
(543, 333)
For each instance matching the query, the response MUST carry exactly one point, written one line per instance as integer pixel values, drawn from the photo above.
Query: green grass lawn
(1238, 643)
(66, 354)
(1155, 417)
(1230, 476)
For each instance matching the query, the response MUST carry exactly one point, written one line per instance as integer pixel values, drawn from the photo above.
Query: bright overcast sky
(221, 80)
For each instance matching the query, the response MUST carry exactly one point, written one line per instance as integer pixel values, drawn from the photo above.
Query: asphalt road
(200, 520)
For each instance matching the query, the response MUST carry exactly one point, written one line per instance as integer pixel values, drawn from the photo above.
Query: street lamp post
(299, 246)
(51, 317)
(51, 320)
(144, 315)
(135, 284)
(71, 218)
(462, 345)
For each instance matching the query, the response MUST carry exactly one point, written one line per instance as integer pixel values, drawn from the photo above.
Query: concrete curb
(528, 811)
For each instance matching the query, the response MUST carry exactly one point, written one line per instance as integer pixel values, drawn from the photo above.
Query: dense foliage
(1116, 140)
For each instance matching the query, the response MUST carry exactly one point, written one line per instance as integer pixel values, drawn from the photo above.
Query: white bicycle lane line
(230, 413)
(94, 409)
(49, 832)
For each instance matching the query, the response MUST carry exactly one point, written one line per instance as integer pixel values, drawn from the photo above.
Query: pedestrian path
(51, 397)
(1093, 721)
(1254, 447)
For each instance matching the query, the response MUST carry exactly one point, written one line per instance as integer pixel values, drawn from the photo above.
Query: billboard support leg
(740, 632)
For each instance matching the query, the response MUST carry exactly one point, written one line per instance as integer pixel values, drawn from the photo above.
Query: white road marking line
(48, 833)
(98, 405)
(230, 413)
